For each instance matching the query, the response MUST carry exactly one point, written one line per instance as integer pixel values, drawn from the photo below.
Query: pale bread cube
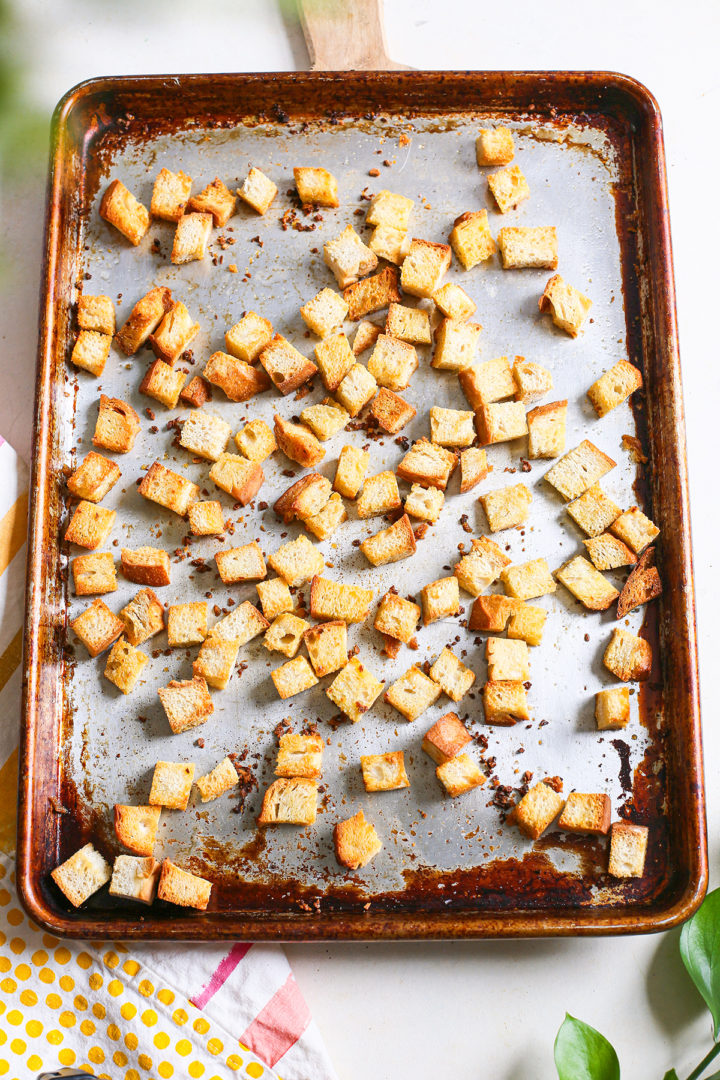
(579, 469)
(608, 553)
(242, 624)
(90, 525)
(526, 623)
(612, 708)
(335, 359)
(628, 847)
(206, 518)
(506, 508)
(473, 467)
(80, 876)
(297, 561)
(357, 389)
(171, 192)
(167, 488)
(205, 434)
(180, 887)
(215, 660)
(96, 313)
(294, 677)
(471, 239)
(487, 381)
(323, 524)
(187, 624)
(348, 258)
(163, 383)
(326, 419)
(459, 775)
(135, 878)
(533, 381)
(527, 580)
(136, 827)
(286, 365)
(587, 584)
(614, 387)
(446, 738)
(452, 676)
(246, 563)
(390, 545)
(412, 693)
(171, 784)
(117, 425)
(354, 690)
(94, 574)
(90, 351)
(258, 190)
(568, 307)
(635, 529)
(483, 565)
(397, 617)
(191, 238)
(215, 199)
(285, 634)
(424, 267)
(509, 188)
(97, 627)
(316, 186)
(120, 208)
(628, 656)
(255, 441)
(93, 478)
(145, 566)
(586, 813)
(325, 312)
(144, 319)
(428, 464)
(356, 841)
(238, 477)
(390, 244)
(379, 495)
(456, 343)
(408, 324)
(507, 660)
(392, 362)
(494, 146)
(593, 511)
(143, 617)
(451, 427)
(533, 247)
(297, 442)
(501, 421)
(335, 600)
(423, 503)
(391, 210)
(187, 703)
(238, 380)
(289, 802)
(546, 430)
(384, 772)
(275, 597)
(365, 336)
(537, 810)
(248, 337)
(440, 599)
(327, 646)
(350, 472)
(219, 780)
(454, 302)
(373, 293)
(124, 665)
(300, 755)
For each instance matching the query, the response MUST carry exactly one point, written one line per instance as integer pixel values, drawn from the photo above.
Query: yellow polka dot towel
(105, 1009)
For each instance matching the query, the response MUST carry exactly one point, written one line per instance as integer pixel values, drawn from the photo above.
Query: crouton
(427, 464)
(533, 247)
(634, 529)
(206, 518)
(258, 190)
(350, 472)
(424, 503)
(215, 661)
(325, 312)
(297, 442)
(124, 665)
(454, 302)
(356, 841)
(456, 343)
(527, 580)
(117, 425)
(612, 708)
(506, 508)
(628, 847)
(508, 188)
(238, 380)
(471, 239)
(294, 677)
(501, 422)
(627, 656)
(167, 488)
(578, 470)
(473, 468)
(354, 689)
(452, 676)
(83, 873)
(608, 553)
(614, 387)
(145, 566)
(215, 199)
(327, 647)
(255, 441)
(136, 827)
(508, 661)
(248, 337)
(205, 434)
(532, 380)
(97, 627)
(390, 244)
(568, 307)
(305, 497)
(440, 599)
(300, 755)
(335, 359)
(412, 693)
(527, 623)
(134, 878)
(408, 324)
(537, 810)
(93, 478)
(587, 584)
(180, 887)
(171, 784)
(275, 597)
(494, 146)
(384, 772)
(446, 738)
(90, 525)
(357, 389)
(391, 210)
(348, 258)
(486, 382)
(197, 392)
(144, 319)
(424, 268)
(325, 419)
(586, 814)
(191, 237)
(96, 313)
(187, 624)
(451, 427)
(397, 617)
(492, 612)
(174, 334)
(642, 586)
(365, 336)
(120, 208)
(316, 186)
(594, 511)
(143, 617)
(546, 430)
(90, 351)
(187, 704)
(285, 634)
(379, 495)
(242, 624)
(372, 293)
(334, 600)
(297, 561)
(286, 365)
(240, 478)
(163, 383)
(94, 574)
(326, 521)
(390, 545)
(245, 563)
(219, 780)
(171, 192)
(459, 775)
(290, 801)
(481, 566)
(390, 411)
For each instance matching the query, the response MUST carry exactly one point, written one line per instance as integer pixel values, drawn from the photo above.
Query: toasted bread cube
(238, 380)
(246, 563)
(168, 489)
(412, 693)
(326, 521)
(391, 210)
(219, 780)
(255, 441)
(372, 294)
(163, 383)
(390, 545)
(171, 784)
(508, 188)
(187, 704)
(408, 324)
(325, 312)
(136, 827)
(171, 192)
(348, 258)
(206, 518)
(473, 468)
(396, 617)
(424, 268)
(297, 561)
(258, 190)
(492, 612)
(305, 497)
(454, 302)
(440, 599)
(501, 422)
(247, 338)
(446, 738)
(316, 187)
(334, 600)
(627, 656)
(579, 469)
(452, 676)
(354, 690)
(428, 464)
(97, 627)
(242, 624)
(325, 419)
(174, 334)
(145, 566)
(90, 351)
(594, 511)
(608, 553)
(124, 665)
(191, 237)
(285, 634)
(143, 617)
(424, 503)
(384, 772)
(546, 430)
(642, 586)
(508, 661)
(356, 841)
(494, 146)
(205, 434)
(527, 623)
(537, 810)
(356, 389)
(586, 814)
(527, 580)
(379, 495)
(82, 874)
(451, 427)
(187, 624)
(390, 244)
(286, 366)
(275, 597)
(335, 359)
(94, 574)
(471, 239)
(134, 878)
(459, 775)
(215, 199)
(298, 443)
(612, 708)
(528, 246)
(144, 319)
(628, 847)
(90, 525)
(568, 307)
(481, 566)
(587, 584)
(350, 472)
(120, 208)
(456, 343)
(486, 382)
(94, 477)
(366, 335)
(290, 801)
(327, 646)
(635, 529)
(506, 508)
(240, 478)
(117, 425)
(614, 387)
(180, 887)
(215, 661)
(390, 411)
(96, 313)
(294, 677)
(300, 756)
(532, 380)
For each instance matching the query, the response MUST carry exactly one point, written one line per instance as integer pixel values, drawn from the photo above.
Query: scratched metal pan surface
(591, 148)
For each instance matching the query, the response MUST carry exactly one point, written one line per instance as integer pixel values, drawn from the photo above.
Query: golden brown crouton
(348, 258)
(94, 477)
(492, 612)
(300, 755)
(481, 566)
(180, 887)
(163, 383)
(356, 389)
(206, 518)
(391, 210)
(527, 623)
(365, 336)
(145, 566)
(546, 430)
(294, 677)
(608, 553)
(505, 702)
(297, 561)
(187, 624)
(120, 208)
(643, 584)
(205, 435)
(471, 239)
(94, 574)
(187, 704)
(350, 472)
(285, 634)
(567, 305)
(298, 443)
(446, 738)
(456, 342)
(117, 425)
(275, 597)
(532, 380)
(427, 464)
(316, 186)
(627, 656)
(614, 387)
(247, 338)
(171, 192)
(506, 508)
(354, 689)
(96, 313)
(238, 380)
(327, 646)
(286, 365)
(82, 874)
(215, 783)
(527, 580)
(372, 293)
(537, 810)
(487, 381)
(391, 411)
(412, 693)
(440, 599)
(255, 441)
(136, 827)
(408, 324)
(325, 312)
(508, 188)
(124, 665)
(168, 489)
(494, 146)
(473, 467)
(191, 237)
(459, 774)
(379, 495)
(454, 302)
(258, 190)
(452, 676)
(508, 661)
(325, 419)
(579, 469)
(593, 511)
(612, 708)
(215, 660)
(384, 772)
(135, 878)
(175, 333)
(533, 247)
(215, 199)
(242, 624)
(397, 617)
(289, 802)
(586, 814)
(90, 525)
(587, 584)
(356, 841)
(424, 503)
(236, 565)
(424, 268)
(390, 545)
(635, 529)
(143, 617)
(628, 846)
(97, 627)
(144, 319)
(335, 600)
(451, 427)
(91, 351)
(240, 478)
(501, 422)
(335, 359)
(305, 497)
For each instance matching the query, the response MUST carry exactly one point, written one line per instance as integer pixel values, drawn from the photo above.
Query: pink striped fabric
(220, 975)
(279, 1025)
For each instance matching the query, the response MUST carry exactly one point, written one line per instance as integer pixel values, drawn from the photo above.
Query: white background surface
(486, 1009)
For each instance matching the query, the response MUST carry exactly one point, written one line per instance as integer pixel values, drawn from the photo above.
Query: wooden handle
(346, 35)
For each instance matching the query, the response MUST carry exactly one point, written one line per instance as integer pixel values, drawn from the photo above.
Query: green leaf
(672, 1075)
(700, 951)
(582, 1053)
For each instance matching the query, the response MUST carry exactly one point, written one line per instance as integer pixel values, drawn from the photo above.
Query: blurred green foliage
(23, 126)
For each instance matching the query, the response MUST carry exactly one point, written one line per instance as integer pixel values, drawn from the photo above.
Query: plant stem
(697, 1072)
